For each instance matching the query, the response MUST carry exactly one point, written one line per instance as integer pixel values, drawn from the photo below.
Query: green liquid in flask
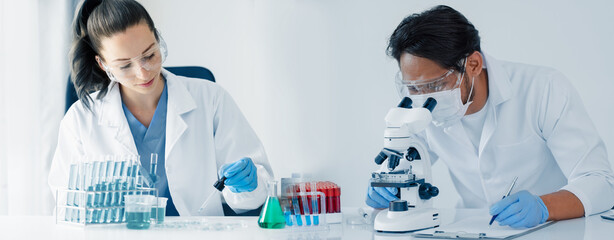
(271, 216)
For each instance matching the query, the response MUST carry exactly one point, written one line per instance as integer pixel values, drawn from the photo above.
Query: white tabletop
(44, 227)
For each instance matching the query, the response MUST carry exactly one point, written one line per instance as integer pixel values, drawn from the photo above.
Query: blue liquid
(299, 220)
(288, 217)
(160, 211)
(138, 220)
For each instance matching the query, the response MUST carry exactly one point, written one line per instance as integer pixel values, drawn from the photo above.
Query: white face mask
(450, 108)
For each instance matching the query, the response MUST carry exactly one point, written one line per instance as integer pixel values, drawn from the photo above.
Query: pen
(507, 194)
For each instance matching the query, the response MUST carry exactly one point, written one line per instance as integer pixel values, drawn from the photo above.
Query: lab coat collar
(180, 101)
(499, 85)
(112, 116)
(500, 90)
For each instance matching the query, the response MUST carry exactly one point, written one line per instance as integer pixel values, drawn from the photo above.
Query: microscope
(406, 165)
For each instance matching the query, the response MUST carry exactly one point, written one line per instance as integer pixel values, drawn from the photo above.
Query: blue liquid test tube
(135, 174)
(114, 187)
(85, 198)
(305, 204)
(153, 167)
(288, 212)
(108, 182)
(314, 204)
(100, 186)
(297, 210)
(79, 198)
(123, 183)
(110, 187)
(93, 201)
(72, 185)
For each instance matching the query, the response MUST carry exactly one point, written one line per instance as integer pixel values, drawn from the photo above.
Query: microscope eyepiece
(405, 103)
(430, 104)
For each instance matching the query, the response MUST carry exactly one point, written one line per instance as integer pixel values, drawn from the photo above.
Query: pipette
(219, 185)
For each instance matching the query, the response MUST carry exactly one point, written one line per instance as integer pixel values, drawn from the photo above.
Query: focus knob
(426, 191)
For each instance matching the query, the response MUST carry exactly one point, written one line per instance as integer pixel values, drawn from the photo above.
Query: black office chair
(189, 71)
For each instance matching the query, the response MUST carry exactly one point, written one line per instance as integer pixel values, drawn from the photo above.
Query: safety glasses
(151, 59)
(448, 81)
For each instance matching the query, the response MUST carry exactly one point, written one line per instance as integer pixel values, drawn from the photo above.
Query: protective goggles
(448, 81)
(150, 60)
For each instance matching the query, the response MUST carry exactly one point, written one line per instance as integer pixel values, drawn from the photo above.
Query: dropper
(219, 185)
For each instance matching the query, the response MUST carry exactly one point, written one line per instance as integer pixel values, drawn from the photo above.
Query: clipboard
(443, 234)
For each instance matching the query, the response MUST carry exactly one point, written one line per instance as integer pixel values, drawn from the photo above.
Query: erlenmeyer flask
(271, 215)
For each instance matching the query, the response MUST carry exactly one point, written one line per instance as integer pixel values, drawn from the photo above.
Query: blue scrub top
(152, 140)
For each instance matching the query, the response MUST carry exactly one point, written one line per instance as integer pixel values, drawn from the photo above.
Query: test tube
(286, 203)
(124, 182)
(288, 213)
(80, 198)
(337, 199)
(296, 207)
(100, 186)
(109, 187)
(93, 198)
(153, 166)
(129, 178)
(315, 211)
(109, 180)
(136, 169)
(115, 187)
(296, 210)
(303, 191)
(133, 175)
(72, 185)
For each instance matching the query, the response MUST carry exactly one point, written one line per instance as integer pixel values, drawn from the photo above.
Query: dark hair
(440, 34)
(95, 20)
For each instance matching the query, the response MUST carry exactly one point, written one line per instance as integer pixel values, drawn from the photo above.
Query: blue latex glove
(241, 176)
(380, 197)
(521, 209)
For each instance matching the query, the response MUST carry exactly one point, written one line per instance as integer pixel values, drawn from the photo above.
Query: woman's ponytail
(86, 76)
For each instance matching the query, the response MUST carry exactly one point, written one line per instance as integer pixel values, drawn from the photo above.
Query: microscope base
(406, 221)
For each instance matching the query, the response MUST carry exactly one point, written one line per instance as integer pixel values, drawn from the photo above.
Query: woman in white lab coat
(139, 108)
(498, 120)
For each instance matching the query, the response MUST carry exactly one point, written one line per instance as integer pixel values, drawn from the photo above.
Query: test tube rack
(83, 208)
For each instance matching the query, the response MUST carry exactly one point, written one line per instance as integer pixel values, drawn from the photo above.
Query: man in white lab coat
(497, 120)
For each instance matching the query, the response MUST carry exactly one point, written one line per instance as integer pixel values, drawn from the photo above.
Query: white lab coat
(204, 130)
(536, 128)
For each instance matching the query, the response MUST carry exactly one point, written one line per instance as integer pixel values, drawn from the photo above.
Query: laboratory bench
(44, 227)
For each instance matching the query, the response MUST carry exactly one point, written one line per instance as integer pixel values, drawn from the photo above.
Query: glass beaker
(158, 211)
(138, 210)
(271, 215)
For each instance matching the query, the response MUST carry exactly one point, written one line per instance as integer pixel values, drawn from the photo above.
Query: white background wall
(314, 81)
